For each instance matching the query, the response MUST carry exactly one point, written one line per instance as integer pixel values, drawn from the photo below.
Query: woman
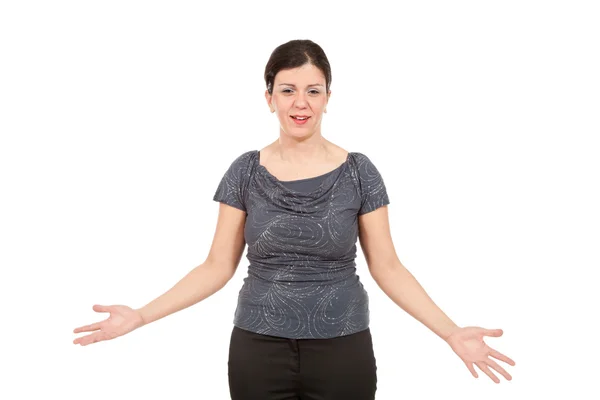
(301, 327)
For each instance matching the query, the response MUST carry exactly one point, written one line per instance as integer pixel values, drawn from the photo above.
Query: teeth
(301, 119)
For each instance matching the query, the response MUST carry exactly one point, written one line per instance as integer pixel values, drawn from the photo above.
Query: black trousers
(263, 367)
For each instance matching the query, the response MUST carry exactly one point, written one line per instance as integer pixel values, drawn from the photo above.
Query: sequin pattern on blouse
(302, 281)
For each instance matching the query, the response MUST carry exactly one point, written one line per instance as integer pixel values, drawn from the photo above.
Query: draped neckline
(282, 184)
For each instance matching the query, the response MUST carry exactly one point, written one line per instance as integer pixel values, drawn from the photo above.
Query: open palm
(468, 344)
(122, 320)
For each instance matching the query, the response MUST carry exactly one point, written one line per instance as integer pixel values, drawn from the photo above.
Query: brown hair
(294, 54)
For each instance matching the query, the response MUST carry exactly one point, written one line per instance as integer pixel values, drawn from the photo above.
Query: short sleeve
(372, 188)
(232, 187)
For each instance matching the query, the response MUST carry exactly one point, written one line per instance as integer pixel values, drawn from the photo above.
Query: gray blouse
(301, 238)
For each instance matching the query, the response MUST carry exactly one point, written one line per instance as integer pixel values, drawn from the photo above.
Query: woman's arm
(200, 283)
(404, 290)
(394, 279)
(203, 281)
(209, 277)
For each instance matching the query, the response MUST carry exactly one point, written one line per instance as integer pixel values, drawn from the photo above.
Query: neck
(314, 149)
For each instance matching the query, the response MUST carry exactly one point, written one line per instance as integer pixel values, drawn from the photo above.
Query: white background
(119, 118)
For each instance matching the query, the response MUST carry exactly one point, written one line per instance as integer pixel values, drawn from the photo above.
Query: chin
(299, 133)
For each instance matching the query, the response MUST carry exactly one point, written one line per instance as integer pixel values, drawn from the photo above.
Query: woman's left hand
(468, 344)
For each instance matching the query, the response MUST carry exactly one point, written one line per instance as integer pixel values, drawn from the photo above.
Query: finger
(472, 369)
(499, 356)
(83, 339)
(487, 371)
(498, 368)
(89, 339)
(100, 308)
(493, 332)
(88, 328)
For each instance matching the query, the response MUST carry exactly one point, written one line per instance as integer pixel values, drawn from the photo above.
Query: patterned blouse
(301, 237)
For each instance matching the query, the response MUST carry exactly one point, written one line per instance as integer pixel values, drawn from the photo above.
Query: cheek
(283, 115)
(319, 106)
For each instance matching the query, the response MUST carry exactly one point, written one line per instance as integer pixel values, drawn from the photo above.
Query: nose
(300, 100)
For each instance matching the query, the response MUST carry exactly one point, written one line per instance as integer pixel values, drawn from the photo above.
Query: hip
(343, 366)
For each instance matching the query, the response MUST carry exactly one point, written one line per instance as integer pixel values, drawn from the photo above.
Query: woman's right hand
(122, 320)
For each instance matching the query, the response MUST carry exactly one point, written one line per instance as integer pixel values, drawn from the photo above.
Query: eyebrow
(291, 84)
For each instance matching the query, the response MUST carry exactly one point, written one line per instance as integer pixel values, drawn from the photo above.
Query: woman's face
(299, 92)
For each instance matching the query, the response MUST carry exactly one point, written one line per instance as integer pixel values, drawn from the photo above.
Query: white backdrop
(119, 118)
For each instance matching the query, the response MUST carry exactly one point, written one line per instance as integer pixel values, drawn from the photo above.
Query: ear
(269, 100)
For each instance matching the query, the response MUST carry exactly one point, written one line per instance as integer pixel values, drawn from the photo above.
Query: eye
(314, 91)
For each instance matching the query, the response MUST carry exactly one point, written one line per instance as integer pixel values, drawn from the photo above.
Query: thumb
(493, 332)
(100, 308)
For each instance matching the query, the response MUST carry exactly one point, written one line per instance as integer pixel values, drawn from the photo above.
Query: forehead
(302, 76)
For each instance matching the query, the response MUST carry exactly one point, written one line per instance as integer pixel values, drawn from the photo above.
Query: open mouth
(299, 120)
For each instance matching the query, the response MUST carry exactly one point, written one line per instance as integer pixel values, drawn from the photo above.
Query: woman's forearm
(200, 283)
(404, 290)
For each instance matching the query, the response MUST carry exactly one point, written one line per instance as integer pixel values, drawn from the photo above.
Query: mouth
(299, 119)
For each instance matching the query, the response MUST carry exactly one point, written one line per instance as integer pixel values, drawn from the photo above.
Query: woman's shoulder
(244, 158)
(360, 158)
(240, 165)
(364, 165)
